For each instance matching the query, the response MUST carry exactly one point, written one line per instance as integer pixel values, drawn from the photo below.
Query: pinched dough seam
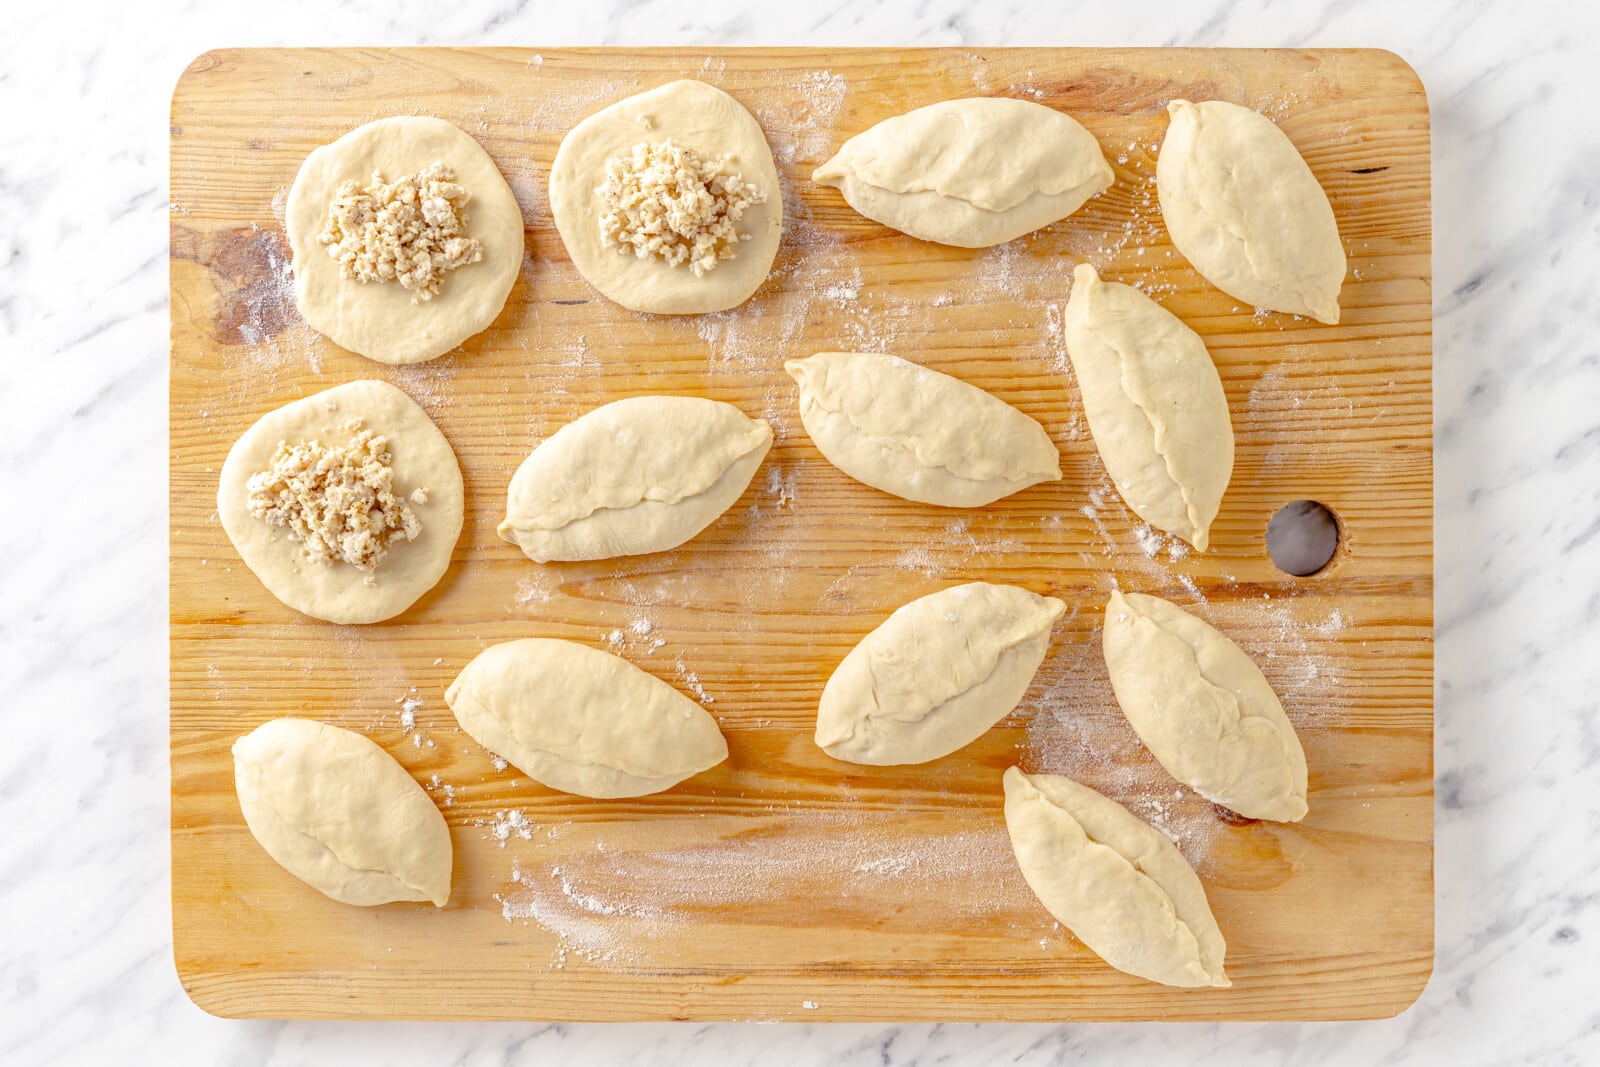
(1176, 921)
(1232, 227)
(284, 821)
(530, 526)
(1157, 436)
(896, 444)
(1001, 651)
(1018, 202)
(1083, 191)
(1240, 714)
(576, 761)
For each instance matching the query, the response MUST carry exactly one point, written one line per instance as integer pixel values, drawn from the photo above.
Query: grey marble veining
(85, 961)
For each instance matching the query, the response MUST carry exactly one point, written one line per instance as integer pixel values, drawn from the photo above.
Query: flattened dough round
(378, 319)
(694, 115)
(422, 458)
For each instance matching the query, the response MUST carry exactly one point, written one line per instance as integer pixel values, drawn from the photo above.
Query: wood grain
(783, 885)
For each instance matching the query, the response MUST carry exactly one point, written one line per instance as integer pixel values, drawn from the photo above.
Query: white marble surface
(85, 962)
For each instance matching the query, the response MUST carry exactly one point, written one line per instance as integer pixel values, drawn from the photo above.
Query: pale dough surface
(1154, 404)
(917, 433)
(634, 476)
(970, 173)
(1204, 709)
(340, 814)
(378, 319)
(1115, 881)
(936, 674)
(697, 116)
(583, 721)
(1243, 207)
(422, 458)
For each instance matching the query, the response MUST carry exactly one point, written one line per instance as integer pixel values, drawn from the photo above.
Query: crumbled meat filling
(663, 200)
(409, 232)
(338, 502)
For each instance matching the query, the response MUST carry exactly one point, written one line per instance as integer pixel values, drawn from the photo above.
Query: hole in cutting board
(1302, 537)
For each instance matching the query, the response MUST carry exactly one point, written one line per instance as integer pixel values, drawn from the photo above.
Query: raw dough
(380, 320)
(1115, 881)
(340, 814)
(634, 476)
(1204, 709)
(698, 117)
(1154, 404)
(917, 433)
(581, 720)
(936, 675)
(970, 173)
(1243, 207)
(421, 459)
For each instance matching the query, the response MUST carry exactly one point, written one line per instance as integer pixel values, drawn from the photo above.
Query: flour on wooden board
(622, 909)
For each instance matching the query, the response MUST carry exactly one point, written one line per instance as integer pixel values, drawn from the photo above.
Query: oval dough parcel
(1116, 882)
(581, 720)
(917, 433)
(1243, 207)
(634, 476)
(1154, 404)
(694, 115)
(422, 459)
(938, 673)
(340, 814)
(1204, 709)
(970, 173)
(379, 320)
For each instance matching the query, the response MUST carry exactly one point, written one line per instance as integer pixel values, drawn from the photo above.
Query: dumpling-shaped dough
(1154, 404)
(919, 434)
(634, 476)
(1243, 207)
(1204, 709)
(970, 173)
(716, 128)
(1115, 881)
(422, 476)
(340, 814)
(581, 720)
(938, 673)
(383, 320)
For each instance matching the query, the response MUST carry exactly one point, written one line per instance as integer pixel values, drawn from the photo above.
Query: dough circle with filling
(421, 458)
(713, 125)
(380, 319)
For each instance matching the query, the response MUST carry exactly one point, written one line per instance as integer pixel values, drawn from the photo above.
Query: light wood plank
(783, 879)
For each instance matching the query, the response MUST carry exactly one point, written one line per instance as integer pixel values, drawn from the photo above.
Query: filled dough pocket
(1204, 709)
(969, 173)
(581, 720)
(917, 433)
(631, 477)
(1154, 404)
(1114, 880)
(1243, 207)
(340, 814)
(936, 674)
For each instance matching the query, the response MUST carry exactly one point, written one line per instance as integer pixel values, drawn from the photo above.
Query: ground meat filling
(664, 201)
(338, 502)
(409, 232)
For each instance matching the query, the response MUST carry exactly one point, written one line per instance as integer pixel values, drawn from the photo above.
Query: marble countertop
(86, 970)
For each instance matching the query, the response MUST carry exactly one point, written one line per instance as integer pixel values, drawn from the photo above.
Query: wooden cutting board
(784, 885)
